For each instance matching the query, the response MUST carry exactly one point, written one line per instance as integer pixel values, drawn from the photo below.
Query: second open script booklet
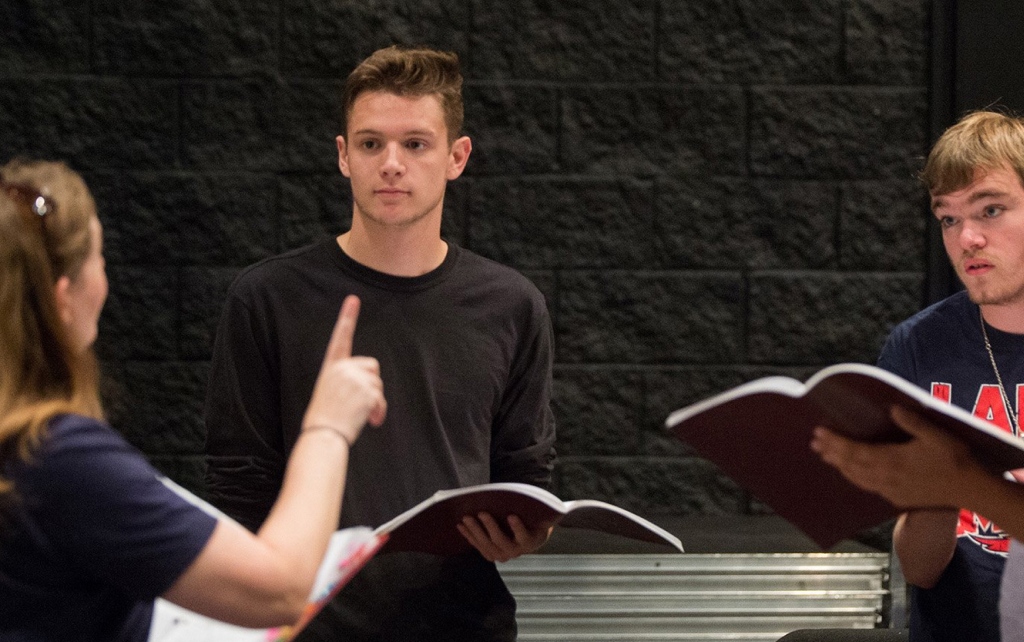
(759, 435)
(429, 527)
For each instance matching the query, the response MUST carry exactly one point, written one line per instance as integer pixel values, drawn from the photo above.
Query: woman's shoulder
(78, 447)
(70, 431)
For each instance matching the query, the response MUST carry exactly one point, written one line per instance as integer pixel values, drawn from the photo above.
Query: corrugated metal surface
(695, 598)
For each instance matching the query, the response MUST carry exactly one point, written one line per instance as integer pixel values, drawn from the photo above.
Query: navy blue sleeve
(102, 503)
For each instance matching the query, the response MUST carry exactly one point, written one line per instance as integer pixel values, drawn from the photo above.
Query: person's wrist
(329, 428)
(975, 485)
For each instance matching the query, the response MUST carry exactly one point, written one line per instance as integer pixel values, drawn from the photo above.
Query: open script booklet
(428, 527)
(759, 435)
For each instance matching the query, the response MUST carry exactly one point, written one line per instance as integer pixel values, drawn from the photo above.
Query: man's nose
(971, 235)
(392, 160)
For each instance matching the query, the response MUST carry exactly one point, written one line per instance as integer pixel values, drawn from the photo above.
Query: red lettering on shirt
(990, 407)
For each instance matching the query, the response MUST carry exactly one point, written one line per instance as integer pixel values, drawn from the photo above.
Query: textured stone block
(140, 318)
(827, 318)
(310, 121)
(108, 193)
(751, 41)
(547, 223)
(883, 226)
(887, 41)
(93, 124)
(175, 219)
(231, 125)
(666, 391)
(640, 317)
(313, 206)
(729, 222)
(158, 406)
(597, 412)
(513, 128)
(185, 37)
(649, 486)
(44, 37)
(571, 40)
(653, 130)
(837, 132)
(203, 291)
(330, 38)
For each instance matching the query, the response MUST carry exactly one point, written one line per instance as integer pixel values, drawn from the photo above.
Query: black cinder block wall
(706, 191)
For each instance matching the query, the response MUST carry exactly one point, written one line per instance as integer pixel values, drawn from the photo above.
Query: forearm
(526, 452)
(991, 495)
(999, 500)
(925, 541)
(307, 510)
(265, 580)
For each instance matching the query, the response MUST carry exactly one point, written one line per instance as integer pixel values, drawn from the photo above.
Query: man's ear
(343, 156)
(461, 149)
(61, 294)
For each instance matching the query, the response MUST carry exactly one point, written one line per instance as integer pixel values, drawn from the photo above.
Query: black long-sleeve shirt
(465, 354)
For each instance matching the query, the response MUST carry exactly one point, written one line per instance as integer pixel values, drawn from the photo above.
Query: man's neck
(1008, 317)
(400, 251)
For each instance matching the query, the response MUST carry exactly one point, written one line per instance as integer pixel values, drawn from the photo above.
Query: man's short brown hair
(982, 140)
(410, 72)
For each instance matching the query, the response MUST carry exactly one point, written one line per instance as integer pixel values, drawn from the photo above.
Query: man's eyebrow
(412, 132)
(938, 202)
(992, 193)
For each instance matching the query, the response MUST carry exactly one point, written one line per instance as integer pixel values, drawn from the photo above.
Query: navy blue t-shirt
(942, 350)
(93, 540)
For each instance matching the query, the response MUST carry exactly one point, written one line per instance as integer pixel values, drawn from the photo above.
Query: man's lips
(390, 191)
(976, 267)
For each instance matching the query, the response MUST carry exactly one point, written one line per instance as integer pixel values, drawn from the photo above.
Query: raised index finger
(340, 346)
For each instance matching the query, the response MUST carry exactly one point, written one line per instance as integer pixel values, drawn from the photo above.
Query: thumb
(913, 423)
(340, 345)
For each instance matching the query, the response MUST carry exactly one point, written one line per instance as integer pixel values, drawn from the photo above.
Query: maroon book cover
(759, 435)
(430, 526)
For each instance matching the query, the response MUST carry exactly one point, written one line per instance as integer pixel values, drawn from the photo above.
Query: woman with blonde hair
(89, 534)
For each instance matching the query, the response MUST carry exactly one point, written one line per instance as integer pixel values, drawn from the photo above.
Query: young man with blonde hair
(465, 352)
(968, 350)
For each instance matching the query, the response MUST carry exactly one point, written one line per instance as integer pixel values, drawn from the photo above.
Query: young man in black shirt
(465, 352)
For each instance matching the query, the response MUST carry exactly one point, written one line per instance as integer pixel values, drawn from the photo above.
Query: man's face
(983, 231)
(397, 155)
